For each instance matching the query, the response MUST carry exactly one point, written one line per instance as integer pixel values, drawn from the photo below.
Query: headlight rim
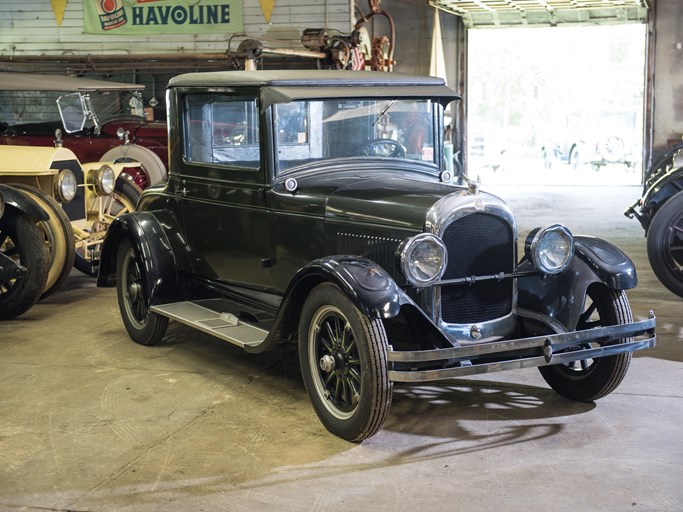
(405, 251)
(533, 244)
(63, 176)
(98, 179)
(2, 205)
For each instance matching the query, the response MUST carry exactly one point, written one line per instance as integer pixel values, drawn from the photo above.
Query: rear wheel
(665, 244)
(22, 241)
(343, 357)
(590, 379)
(143, 326)
(59, 238)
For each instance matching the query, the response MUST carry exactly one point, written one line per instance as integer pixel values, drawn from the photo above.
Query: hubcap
(333, 352)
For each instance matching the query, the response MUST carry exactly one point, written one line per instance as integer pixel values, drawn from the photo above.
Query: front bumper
(520, 353)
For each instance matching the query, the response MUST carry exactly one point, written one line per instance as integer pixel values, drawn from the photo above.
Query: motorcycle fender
(563, 296)
(21, 202)
(152, 237)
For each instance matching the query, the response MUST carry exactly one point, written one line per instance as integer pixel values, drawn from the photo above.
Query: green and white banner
(145, 17)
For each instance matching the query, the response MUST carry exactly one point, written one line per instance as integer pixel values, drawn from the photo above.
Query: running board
(225, 326)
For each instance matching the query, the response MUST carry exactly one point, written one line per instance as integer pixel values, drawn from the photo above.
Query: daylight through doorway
(559, 105)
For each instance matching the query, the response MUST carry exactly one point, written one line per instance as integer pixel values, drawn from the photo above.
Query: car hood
(385, 200)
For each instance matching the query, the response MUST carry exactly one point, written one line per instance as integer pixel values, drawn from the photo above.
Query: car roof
(282, 86)
(36, 82)
(302, 77)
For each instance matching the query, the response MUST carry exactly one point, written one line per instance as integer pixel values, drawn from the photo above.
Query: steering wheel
(382, 147)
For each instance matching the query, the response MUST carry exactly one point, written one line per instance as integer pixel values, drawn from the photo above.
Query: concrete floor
(90, 421)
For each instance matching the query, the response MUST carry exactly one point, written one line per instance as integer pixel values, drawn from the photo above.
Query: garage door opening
(556, 106)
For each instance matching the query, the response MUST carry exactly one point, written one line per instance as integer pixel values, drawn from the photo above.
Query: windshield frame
(434, 108)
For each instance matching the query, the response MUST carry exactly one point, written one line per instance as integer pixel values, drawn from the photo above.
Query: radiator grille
(478, 244)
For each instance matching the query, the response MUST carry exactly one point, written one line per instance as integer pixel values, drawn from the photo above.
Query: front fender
(365, 283)
(563, 296)
(154, 237)
(19, 201)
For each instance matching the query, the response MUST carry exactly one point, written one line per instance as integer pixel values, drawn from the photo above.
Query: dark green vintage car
(317, 208)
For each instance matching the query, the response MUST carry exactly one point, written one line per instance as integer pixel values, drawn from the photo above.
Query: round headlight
(2, 205)
(550, 249)
(66, 185)
(104, 180)
(422, 259)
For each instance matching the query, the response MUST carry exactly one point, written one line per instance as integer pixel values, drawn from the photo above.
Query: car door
(222, 189)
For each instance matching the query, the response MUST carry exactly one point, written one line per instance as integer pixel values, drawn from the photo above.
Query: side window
(222, 129)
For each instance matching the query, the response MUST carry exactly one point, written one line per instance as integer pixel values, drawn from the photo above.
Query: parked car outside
(660, 212)
(98, 120)
(80, 201)
(299, 210)
(24, 258)
(595, 138)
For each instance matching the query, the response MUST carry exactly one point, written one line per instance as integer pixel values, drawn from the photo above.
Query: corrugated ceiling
(506, 13)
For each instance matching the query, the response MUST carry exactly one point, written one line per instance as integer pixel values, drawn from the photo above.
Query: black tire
(22, 241)
(343, 357)
(58, 235)
(143, 326)
(588, 380)
(665, 244)
(124, 199)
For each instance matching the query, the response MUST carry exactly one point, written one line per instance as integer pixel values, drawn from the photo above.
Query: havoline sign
(144, 17)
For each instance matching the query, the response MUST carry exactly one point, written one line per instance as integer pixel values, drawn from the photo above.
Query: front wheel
(343, 357)
(665, 244)
(143, 326)
(589, 379)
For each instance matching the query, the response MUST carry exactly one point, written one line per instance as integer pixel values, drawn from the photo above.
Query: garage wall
(668, 74)
(29, 28)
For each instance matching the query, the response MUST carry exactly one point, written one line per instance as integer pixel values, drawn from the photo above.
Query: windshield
(117, 103)
(33, 109)
(313, 131)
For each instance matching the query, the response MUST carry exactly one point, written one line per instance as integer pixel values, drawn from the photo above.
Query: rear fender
(563, 296)
(21, 202)
(155, 237)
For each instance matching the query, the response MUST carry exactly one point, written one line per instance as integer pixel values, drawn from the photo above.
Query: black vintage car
(316, 208)
(660, 212)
